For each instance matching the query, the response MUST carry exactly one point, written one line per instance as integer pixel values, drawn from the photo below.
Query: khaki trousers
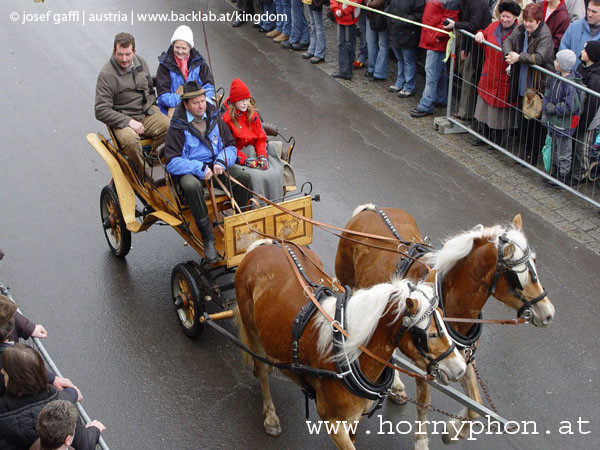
(155, 127)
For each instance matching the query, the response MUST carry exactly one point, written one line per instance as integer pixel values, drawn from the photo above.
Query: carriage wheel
(116, 233)
(188, 299)
(594, 172)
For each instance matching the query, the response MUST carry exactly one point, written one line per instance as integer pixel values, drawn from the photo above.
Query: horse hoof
(273, 430)
(397, 399)
(447, 439)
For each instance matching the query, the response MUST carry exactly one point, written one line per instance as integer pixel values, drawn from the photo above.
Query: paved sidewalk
(577, 218)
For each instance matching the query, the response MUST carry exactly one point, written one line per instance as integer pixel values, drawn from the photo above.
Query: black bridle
(506, 268)
(420, 336)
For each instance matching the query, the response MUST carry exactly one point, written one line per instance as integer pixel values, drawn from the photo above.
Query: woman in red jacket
(253, 150)
(493, 109)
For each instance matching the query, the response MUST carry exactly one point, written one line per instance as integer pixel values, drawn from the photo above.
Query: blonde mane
(364, 310)
(459, 246)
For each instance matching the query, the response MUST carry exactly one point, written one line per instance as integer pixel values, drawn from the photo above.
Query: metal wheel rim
(113, 234)
(186, 315)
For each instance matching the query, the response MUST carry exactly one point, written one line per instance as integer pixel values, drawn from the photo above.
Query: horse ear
(517, 222)
(431, 276)
(509, 251)
(412, 306)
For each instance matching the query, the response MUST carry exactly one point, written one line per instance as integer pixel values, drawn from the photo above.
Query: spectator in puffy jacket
(27, 392)
(180, 63)
(346, 17)
(560, 110)
(404, 40)
(436, 82)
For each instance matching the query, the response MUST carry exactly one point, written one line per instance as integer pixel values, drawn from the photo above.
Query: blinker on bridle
(419, 335)
(506, 267)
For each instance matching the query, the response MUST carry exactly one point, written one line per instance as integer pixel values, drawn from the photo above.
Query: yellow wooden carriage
(131, 204)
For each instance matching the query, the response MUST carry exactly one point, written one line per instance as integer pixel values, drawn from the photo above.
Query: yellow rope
(412, 22)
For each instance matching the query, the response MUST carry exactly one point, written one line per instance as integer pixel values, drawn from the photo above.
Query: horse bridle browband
(506, 267)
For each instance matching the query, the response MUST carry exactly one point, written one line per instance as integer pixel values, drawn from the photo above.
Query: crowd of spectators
(33, 413)
(493, 84)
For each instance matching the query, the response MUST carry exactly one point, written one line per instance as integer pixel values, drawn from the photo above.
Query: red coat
(245, 135)
(494, 84)
(436, 11)
(349, 13)
(558, 22)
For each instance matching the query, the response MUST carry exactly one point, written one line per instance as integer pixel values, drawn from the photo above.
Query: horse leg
(423, 398)
(458, 429)
(249, 336)
(397, 391)
(271, 422)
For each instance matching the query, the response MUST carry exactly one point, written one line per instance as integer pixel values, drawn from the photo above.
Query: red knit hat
(238, 91)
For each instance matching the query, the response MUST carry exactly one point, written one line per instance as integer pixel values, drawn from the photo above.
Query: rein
(407, 257)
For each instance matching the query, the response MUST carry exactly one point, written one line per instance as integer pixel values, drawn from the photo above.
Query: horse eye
(432, 335)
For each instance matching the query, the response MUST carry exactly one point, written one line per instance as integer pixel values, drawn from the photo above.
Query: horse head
(515, 281)
(427, 342)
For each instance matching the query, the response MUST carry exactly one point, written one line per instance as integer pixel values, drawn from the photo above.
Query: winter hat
(183, 33)
(566, 59)
(7, 309)
(238, 91)
(509, 6)
(592, 48)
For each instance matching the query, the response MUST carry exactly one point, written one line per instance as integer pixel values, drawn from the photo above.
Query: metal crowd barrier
(40, 348)
(522, 139)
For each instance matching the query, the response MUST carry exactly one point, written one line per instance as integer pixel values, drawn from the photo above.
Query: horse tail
(237, 320)
(361, 208)
(259, 243)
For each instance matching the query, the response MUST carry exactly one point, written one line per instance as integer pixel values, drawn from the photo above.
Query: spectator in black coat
(56, 426)
(589, 69)
(475, 16)
(27, 392)
(404, 40)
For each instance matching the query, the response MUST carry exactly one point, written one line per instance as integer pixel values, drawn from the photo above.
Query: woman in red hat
(253, 150)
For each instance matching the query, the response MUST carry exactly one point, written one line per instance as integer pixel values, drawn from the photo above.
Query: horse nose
(547, 319)
(460, 373)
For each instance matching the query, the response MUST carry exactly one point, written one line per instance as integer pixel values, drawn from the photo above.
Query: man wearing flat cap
(199, 146)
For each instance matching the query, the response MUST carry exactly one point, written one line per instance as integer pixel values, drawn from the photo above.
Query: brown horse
(269, 298)
(472, 266)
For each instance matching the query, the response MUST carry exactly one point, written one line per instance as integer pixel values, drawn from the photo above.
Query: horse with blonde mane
(471, 266)
(271, 298)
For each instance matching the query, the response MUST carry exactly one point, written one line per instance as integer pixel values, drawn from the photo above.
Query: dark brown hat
(192, 89)
(7, 309)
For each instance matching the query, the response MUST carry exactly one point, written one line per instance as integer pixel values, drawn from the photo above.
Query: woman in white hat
(180, 63)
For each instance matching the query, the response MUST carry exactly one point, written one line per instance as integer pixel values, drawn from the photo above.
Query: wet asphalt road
(112, 327)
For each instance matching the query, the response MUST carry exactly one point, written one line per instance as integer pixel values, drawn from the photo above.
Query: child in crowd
(560, 110)
(346, 17)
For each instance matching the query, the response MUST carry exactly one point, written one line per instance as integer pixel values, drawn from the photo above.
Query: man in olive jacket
(125, 101)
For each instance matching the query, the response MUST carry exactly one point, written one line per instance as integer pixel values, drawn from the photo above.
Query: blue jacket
(189, 152)
(566, 104)
(169, 78)
(576, 36)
